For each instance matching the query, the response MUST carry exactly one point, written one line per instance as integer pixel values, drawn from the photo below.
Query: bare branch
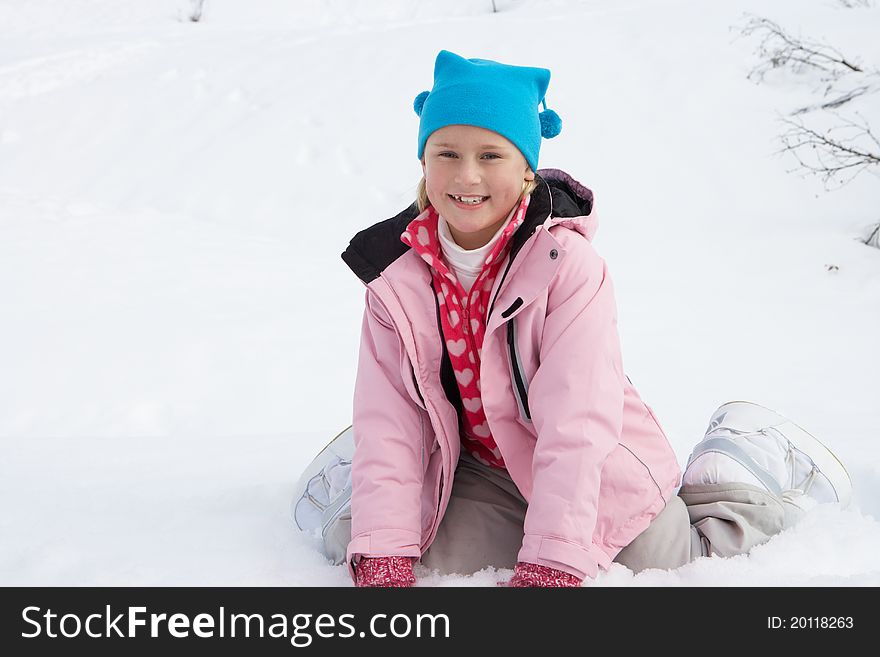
(838, 155)
(841, 152)
(851, 4)
(839, 100)
(779, 49)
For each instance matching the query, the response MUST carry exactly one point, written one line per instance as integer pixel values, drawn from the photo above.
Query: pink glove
(533, 575)
(385, 572)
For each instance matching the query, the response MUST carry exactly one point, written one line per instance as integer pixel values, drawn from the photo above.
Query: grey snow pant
(483, 525)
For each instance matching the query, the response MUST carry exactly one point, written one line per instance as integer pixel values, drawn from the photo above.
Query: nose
(468, 173)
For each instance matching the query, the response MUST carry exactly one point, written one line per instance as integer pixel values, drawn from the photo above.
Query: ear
(424, 172)
(530, 175)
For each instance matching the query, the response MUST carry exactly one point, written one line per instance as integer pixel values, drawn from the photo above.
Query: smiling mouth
(468, 200)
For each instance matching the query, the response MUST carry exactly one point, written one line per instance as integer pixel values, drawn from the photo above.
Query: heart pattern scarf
(463, 319)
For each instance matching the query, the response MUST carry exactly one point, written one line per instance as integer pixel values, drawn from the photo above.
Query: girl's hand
(533, 575)
(385, 572)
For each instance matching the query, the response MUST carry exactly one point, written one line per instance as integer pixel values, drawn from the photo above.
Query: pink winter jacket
(585, 451)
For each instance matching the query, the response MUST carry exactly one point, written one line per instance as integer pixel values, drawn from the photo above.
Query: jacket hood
(558, 199)
(572, 202)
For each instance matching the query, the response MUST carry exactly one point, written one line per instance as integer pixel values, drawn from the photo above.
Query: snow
(179, 334)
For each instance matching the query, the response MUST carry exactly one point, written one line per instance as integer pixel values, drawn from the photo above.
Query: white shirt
(467, 264)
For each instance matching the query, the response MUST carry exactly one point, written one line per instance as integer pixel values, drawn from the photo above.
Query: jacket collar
(558, 197)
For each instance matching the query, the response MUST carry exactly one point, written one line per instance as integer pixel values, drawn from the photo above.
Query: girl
(493, 422)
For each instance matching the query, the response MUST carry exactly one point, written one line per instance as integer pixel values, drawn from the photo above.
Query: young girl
(493, 422)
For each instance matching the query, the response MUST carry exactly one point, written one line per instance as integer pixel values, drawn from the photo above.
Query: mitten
(533, 575)
(385, 572)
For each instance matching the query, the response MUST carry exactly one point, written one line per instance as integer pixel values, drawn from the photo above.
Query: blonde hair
(422, 192)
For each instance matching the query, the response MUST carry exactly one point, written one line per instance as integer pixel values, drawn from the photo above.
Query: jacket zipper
(445, 354)
(519, 379)
(520, 388)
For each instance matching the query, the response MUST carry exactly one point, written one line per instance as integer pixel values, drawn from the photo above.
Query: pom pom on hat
(419, 102)
(551, 124)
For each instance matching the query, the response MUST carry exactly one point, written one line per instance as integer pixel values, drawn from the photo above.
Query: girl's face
(482, 166)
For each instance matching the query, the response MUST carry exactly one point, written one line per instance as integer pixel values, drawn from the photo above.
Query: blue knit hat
(490, 95)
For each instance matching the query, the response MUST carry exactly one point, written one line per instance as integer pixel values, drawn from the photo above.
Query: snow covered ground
(179, 334)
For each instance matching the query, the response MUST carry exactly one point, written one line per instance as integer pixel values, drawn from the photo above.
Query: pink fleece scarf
(463, 318)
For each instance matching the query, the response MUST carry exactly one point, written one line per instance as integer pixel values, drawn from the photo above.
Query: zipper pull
(516, 304)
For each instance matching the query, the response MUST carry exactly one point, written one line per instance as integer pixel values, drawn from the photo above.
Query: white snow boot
(746, 442)
(322, 498)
